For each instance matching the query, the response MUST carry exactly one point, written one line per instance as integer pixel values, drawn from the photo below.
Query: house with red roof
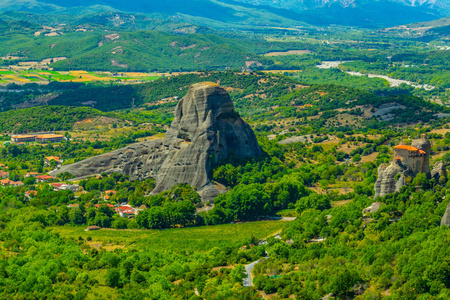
(48, 159)
(7, 182)
(44, 178)
(126, 211)
(108, 194)
(29, 193)
(102, 204)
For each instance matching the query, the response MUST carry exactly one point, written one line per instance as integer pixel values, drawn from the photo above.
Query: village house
(29, 193)
(58, 186)
(92, 228)
(4, 175)
(75, 205)
(44, 178)
(108, 194)
(48, 159)
(126, 211)
(7, 182)
(102, 204)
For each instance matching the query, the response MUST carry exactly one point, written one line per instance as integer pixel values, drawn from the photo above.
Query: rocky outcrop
(439, 170)
(446, 217)
(206, 129)
(424, 144)
(373, 208)
(388, 181)
(409, 160)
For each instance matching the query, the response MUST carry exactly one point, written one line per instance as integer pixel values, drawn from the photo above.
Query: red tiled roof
(107, 204)
(56, 158)
(406, 147)
(10, 182)
(93, 227)
(57, 185)
(124, 207)
(45, 177)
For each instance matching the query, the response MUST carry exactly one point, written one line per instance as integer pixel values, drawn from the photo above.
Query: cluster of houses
(124, 210)
(4, 175)
(7, 182)
(4, 178)
(48, 159)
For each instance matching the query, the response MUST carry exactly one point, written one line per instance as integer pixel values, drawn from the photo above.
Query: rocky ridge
(206, 130)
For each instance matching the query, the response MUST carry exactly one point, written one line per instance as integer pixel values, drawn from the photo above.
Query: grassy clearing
(196, 238)
(287, 213)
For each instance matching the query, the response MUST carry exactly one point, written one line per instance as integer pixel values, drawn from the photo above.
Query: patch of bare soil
(370, 157)
(94, 122)
(116, 64)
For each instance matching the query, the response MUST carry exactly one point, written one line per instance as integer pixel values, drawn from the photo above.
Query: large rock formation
(446, 217)
(409, 160)
(206, 130)
(388, 182)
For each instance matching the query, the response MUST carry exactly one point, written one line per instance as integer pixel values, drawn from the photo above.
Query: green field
(21, 76)
(195, 238)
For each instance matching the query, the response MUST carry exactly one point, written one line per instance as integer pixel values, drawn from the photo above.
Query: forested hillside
(118, 50)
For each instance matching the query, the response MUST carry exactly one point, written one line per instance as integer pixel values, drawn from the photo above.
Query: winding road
(248, 281)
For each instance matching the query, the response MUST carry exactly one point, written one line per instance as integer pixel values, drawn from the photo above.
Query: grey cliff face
(446, 217)
(387, 183)
(424, 144)
(206, 130)
(438, 170)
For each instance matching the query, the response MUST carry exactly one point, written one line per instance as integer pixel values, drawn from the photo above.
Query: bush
(313, 201)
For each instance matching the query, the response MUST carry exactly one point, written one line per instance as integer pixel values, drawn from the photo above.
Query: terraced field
(46, 76)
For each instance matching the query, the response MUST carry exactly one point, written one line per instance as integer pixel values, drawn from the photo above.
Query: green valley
(209, 149)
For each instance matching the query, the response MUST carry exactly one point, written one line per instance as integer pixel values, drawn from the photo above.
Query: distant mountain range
(254, 13)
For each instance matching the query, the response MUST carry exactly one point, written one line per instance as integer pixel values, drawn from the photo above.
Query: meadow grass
(287, 213)
(191, 238)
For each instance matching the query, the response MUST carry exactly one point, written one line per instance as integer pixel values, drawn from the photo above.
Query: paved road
(248, 281)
